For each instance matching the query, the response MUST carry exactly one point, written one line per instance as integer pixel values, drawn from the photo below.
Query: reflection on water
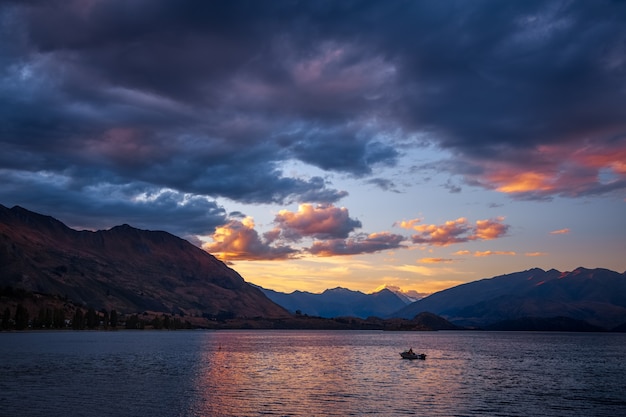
(310, 373)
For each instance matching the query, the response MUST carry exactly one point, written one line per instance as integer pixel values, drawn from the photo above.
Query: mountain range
(597, 296)
(134, 271)
(339, 302)
(124, 268)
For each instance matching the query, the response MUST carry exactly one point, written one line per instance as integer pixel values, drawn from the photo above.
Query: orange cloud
(408, 224)
(456, 231)
(489, 229)
(572, 169)
(435, 260)
(238, 240)
(484, 253)
(321, 222)
(522, 182)
(535, 254)
(560, 232)
(491, 253)
(374, 242)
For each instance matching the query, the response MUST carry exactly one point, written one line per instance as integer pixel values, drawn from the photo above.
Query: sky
(416, 145)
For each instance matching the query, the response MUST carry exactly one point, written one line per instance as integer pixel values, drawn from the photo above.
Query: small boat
(409, 354)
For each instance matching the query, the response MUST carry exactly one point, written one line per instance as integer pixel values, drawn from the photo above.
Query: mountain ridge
(122, 268)
(597, 296)
(133, 270)
(338, 302)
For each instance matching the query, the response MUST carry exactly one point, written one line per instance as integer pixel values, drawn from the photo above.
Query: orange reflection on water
(246, 375)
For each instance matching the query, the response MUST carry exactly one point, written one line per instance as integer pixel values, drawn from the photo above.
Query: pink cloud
(572, 169)
(456, 231)
(479, 254)
(560, 232)
(238, 240)
(321, 222)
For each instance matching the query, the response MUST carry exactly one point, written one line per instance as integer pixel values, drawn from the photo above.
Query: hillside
(597, 296)
(338, 302)
(123, 268)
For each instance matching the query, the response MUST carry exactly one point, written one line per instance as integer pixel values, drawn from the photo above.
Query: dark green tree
(133, 322)
(6, 319)
(113, 319)
(91, 318)
(40, 321)
(78, 321)
(105, 318)
(58, 319)
(21, 317)
(48, 318)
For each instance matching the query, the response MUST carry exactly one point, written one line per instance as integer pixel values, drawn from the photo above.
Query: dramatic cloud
(163, 113)
(238, 240)
(570, 170)
(319, 222)
(204, 82)
(455, 231)
(374, 242)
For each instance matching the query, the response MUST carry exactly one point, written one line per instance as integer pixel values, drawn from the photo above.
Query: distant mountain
(597, 296)
(123, 268)
(338, 302)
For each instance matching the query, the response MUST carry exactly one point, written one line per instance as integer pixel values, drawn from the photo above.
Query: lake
(311, 373)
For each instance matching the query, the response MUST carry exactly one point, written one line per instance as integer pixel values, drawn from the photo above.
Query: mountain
(338, 302)
(124, 268)
(597, 296)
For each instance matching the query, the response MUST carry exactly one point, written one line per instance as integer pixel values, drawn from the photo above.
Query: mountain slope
(594, 295)
(123, 268)
(338, 302)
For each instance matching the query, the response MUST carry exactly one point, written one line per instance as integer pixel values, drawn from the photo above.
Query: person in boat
(410, 351)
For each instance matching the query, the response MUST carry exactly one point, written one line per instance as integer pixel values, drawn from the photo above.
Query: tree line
(60, 313)
(55, 318)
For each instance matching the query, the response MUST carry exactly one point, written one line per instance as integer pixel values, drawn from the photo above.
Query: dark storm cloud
(209, 99)
(104, 206)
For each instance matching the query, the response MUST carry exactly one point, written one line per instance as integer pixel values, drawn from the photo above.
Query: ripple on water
(310, 373)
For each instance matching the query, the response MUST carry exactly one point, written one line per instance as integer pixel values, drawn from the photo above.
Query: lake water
(311, 373)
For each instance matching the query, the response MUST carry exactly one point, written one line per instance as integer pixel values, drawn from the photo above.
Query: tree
(92, 318)
(113, 319)
(48, 318)
(78, 322)
(38, 322)
(21, 317)
(133, 322)
(6, 319)
(58, 319)
(105, 318)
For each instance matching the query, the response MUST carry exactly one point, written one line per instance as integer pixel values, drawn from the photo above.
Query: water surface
(311, 373)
